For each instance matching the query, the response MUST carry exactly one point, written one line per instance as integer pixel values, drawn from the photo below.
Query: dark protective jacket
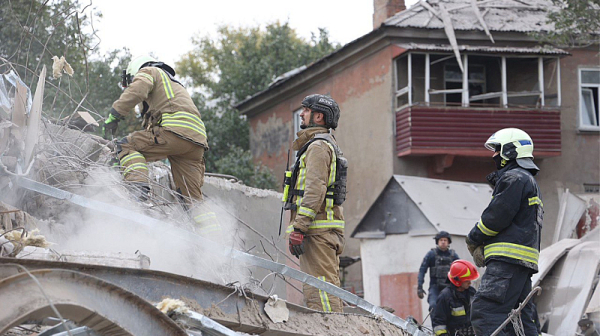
(438, 262)
(510, 227)
(452, 311)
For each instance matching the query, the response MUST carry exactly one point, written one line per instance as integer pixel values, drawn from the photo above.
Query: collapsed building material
(225, 305)
(85, 300)
(568, 273)
(228, 252)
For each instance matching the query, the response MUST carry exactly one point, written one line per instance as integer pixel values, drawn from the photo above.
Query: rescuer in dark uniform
(438, 261)
(508, 234)
(452, 313)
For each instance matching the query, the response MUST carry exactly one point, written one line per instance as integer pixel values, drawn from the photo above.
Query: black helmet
(326, 105)
(442, 234)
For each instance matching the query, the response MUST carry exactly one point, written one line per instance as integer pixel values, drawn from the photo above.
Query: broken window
(453, 80)
(402, 78)
(589, 83)
(491, 80)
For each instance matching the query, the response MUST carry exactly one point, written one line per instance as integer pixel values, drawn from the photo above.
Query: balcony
(448, 104)
(462, 131)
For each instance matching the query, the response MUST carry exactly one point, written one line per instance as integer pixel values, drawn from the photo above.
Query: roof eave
(280, 90)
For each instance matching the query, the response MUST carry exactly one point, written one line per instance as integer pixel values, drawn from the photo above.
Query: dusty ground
(317, 323)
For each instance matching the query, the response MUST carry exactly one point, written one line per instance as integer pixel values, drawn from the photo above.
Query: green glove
(111, 123)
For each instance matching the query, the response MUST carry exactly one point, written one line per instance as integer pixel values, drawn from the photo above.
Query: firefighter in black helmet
(438, 260)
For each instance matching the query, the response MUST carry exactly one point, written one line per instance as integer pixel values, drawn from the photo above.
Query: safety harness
(295, 181)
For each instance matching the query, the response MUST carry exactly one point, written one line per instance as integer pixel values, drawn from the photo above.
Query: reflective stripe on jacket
(510, 227)
(168, 104)
(452, 310)
(317, 171)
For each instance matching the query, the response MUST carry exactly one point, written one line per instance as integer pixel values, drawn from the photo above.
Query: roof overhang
(314, 73)
(537, 50)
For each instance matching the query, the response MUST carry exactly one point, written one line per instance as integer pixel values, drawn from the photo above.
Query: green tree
(576, 23)
(32, 31)
(232, 66)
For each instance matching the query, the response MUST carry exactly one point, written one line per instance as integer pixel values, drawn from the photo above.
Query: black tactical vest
(442, 266)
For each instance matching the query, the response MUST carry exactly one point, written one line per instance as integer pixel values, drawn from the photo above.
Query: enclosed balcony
(449, 105)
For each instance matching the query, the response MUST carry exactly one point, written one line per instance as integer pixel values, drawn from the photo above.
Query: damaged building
(421, 93)
(80, 255)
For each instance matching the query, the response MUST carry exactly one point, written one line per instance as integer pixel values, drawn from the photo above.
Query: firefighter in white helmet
(508, 233)
(172, 128)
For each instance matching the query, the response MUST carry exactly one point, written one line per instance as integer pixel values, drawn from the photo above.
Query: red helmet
(461, 271)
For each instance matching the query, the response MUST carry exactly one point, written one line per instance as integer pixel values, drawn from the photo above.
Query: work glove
(478, 256)
(471, 246)
(296, 243)
(476, 252)
(421, 293)
(111, 123)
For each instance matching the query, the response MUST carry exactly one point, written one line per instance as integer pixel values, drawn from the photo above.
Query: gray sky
(165, 28)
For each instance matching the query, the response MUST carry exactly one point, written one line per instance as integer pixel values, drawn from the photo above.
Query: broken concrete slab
(114, 259)
(277, 310)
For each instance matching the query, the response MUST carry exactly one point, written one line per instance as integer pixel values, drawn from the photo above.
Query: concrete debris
(172, 306)
(276, 309)
(6, 247)
(568, 274)
(113, 259)
(59, 66)
(81, 120)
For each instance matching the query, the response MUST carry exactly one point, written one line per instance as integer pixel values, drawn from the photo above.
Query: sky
(165, 28)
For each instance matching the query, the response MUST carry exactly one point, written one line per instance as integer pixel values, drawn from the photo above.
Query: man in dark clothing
(438, 261)
(509, 232)
(451, 316)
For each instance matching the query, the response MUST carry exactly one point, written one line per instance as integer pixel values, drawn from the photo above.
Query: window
(453, 80)
(589, 98)
(297, 122)
(591, 188)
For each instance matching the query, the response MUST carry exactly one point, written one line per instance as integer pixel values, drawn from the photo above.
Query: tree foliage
(576, 23)
(32, 31)
(233, 65)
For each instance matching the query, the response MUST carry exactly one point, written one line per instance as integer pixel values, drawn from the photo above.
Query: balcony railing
(430, 130)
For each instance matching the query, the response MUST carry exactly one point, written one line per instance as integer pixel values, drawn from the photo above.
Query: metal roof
(449, 205)
(499, 15)
(419, 205)
(538, 50)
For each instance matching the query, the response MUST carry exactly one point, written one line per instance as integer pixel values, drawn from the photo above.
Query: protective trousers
(503, 287)
(321, 259)
(186, 158)
(434, 292)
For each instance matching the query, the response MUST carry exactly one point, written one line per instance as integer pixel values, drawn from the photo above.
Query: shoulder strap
(330, 139)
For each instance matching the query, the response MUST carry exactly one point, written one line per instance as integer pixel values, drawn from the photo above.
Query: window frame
(296, 122)
(580, 87)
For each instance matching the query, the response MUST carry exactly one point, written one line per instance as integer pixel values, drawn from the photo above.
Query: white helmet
(136, 63)
(513, 144)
